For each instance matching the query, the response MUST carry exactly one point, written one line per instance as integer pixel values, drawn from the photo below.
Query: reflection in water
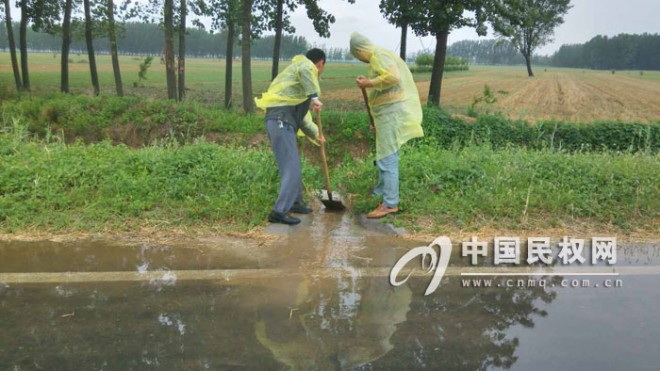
(348, 319)
(329, 324)
(459, 328)
(356, 321)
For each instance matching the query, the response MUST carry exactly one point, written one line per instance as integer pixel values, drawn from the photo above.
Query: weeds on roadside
(493, 173)
(476, 186)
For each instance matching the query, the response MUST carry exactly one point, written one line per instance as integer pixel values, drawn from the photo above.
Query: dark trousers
(285, 147)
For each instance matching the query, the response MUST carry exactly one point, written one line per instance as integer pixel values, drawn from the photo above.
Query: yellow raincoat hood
(361, 47)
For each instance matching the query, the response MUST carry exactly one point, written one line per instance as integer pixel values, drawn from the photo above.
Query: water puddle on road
(319, 299)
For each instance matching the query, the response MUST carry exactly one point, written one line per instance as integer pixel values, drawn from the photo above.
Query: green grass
(478, 187)
(132, 120)
(202, 75)
(55, 186)
(138, 121)
(48, 185)
(643, 75)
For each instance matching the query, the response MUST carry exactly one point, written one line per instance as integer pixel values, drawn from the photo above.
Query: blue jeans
(388, 180)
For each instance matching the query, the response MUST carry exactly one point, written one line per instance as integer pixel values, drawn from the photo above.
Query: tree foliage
(278, 12)
(527, 24)
(400, 14)
(439, 18)
(320, 18)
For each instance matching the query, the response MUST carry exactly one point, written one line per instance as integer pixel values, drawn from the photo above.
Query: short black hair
(315, 55)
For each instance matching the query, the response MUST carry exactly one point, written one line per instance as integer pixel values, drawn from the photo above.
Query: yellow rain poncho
(293, 86)
(393, 99)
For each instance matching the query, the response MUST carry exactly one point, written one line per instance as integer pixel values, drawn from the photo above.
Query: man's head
(317, 56)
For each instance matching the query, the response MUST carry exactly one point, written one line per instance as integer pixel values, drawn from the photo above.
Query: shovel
(371, 115)
(366, 103)
(331, 200)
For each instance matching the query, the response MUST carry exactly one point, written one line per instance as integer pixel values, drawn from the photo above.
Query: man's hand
(317, 105)
(321, 139)
(363, 82)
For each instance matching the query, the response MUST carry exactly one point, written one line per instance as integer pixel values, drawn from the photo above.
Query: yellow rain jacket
(393, 99)
(292, 87)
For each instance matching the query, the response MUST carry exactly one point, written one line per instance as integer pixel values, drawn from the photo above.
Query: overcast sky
(585, 20)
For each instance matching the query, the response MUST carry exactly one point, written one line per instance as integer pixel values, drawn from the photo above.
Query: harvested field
(554, 93)
(566, 95)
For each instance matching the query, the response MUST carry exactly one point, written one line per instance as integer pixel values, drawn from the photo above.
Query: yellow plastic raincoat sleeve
(309, 127)
(387, 71)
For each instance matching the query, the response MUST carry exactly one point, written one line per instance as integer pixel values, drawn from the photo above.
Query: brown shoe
(381, 211)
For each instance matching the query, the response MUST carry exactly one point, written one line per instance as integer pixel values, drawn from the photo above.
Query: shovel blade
(332, 200)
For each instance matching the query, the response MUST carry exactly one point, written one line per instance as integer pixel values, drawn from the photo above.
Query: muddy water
(318, 299)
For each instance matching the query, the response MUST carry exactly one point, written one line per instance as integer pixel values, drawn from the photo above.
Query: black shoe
(300, 208)
(284, 218)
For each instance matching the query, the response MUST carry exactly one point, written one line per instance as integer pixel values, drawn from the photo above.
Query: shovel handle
(323, 157)
(366, 103)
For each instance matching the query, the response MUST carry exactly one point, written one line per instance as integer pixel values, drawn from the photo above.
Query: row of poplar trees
(527, 24)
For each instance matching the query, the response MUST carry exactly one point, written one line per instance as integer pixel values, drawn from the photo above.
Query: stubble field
(561, 94)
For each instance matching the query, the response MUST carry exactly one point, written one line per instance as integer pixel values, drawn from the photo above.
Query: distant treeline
(621, 52)
(489, 52)
(147, 39)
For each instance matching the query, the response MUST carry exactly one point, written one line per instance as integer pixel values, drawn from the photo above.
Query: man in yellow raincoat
(287, 103)
(397, 111)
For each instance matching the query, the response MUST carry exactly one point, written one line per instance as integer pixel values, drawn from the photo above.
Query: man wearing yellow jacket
(287, 103)
(394, 102)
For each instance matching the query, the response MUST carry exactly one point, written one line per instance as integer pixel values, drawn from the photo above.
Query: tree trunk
(230, 62)
(528, 61)
(66, 45)
(90, 48)
(12, 47)
(278, 39)
(169, 49)
(182, 51)
(246, 57)
(23, 40)
(404, 38)
(438, 68)
(527, 50)
(112, 35)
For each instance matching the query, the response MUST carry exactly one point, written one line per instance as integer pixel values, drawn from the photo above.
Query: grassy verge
(477, 187)
(137, 121)
(49, 185)
(55, 186)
